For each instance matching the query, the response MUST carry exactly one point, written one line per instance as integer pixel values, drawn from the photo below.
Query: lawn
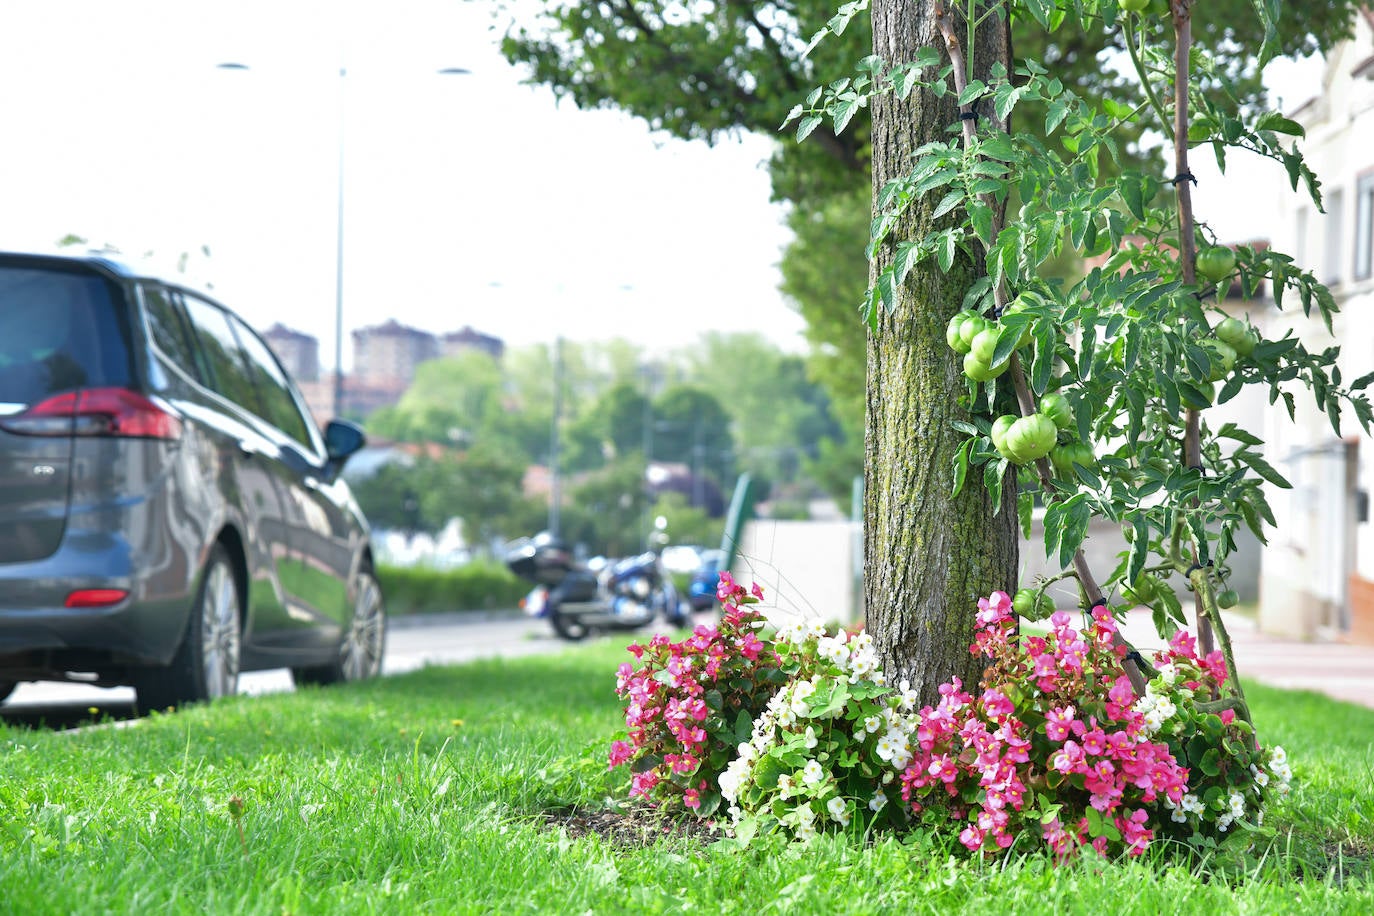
(430, 792)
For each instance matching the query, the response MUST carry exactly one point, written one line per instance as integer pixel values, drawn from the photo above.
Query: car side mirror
(341, 440)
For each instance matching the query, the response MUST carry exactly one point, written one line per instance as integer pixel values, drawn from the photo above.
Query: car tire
(364, 642)
(206, 664)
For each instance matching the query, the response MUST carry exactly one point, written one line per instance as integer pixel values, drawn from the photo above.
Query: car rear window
(59, 330)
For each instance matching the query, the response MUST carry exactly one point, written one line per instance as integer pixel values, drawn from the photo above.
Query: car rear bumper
(37, 629)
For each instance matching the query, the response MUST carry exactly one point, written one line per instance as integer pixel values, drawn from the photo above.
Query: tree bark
(928, 556)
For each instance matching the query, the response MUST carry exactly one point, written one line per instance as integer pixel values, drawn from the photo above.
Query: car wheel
(206, 665)
(364, 642)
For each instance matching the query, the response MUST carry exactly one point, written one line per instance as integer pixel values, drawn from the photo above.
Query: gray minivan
(170, 515)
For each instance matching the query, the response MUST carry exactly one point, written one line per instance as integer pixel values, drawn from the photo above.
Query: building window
(1333, 255)
(1364, 225)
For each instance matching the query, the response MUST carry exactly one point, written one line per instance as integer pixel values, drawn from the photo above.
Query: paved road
(1344, 672)
(444, 640)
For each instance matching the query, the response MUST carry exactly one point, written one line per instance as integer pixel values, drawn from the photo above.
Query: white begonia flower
(794, 632)
(1166, 708)
(860, 641)
(878, 802)
(879, 677)
(908, 696)
(746, 752)
(815, 629)
(1224, 822)
(1168, 673)
(806, 832)
(887, 747)
(1178, 817)
(736, 815)
(1278, 756)
(1261, 777)
(810, 740)
(812, 773)
(872, 724)
(1192, 804)
(786, 787)
(1146, 703)
(838, 811)
(1237, 803)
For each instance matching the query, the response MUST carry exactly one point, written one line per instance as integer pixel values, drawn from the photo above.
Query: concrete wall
(807, 569)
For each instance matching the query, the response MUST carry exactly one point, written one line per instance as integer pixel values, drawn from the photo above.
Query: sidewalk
(1339, 670)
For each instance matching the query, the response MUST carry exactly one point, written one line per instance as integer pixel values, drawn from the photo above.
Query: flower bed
(799, 732)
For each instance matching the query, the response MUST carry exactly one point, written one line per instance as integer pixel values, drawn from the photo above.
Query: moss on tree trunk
(928, 556)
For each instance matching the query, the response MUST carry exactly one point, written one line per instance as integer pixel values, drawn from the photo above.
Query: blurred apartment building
(385, 359)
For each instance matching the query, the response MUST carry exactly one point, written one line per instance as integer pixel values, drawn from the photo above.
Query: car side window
(170, 333)
(274, 390)
(228, 375)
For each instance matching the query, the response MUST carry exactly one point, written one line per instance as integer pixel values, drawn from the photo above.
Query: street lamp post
(339, 232)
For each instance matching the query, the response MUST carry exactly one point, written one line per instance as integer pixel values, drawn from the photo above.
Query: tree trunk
(928, 556)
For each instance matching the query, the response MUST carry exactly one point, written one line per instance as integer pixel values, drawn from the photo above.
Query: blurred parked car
(170, 515)
(701, 591)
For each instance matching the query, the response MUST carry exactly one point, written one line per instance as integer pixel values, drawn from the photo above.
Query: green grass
(422, 793)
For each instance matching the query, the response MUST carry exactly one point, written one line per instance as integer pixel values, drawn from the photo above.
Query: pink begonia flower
(1184, 644)
(636, 650)
(996, 703)
(1228, 716)
(622, 676)
(1215, 665)
(725, 587)
(1104, 619)
(972, 837)
(994, 609)
(1122, 693)
(1095, 742)
(643, 783)
(692, 799)
(1069, 759)
(1057, 723)
(621, 753)
(756, 590)
(750, 646)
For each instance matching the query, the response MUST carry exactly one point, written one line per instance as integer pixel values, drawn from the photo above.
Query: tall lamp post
(339, 230)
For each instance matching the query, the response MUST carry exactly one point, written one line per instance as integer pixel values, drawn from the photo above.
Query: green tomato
(980, 371)
(1231, 331)
(1065, 456)
(1055, 406)
(1133, 6)
(952, 335)
(1228, 599)
(1223, 361)
(1031, 437)
(1238, 335)
(985, 344)
(973, 325)
(999, 430)
(1216, 262)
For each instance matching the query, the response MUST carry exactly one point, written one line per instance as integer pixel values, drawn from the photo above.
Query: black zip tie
(968, 116)
(1184, 176)
(1196, 566)
(1135, 656)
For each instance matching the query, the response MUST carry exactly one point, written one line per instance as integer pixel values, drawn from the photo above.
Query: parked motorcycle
(579, 599)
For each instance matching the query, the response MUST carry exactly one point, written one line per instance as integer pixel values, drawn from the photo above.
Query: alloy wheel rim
(220, 633)
(364, 642)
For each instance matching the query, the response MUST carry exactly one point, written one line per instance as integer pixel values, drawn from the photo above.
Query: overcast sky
(469, 200)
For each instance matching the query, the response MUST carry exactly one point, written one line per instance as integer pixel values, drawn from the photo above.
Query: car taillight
(116, 412)
(96, 597)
